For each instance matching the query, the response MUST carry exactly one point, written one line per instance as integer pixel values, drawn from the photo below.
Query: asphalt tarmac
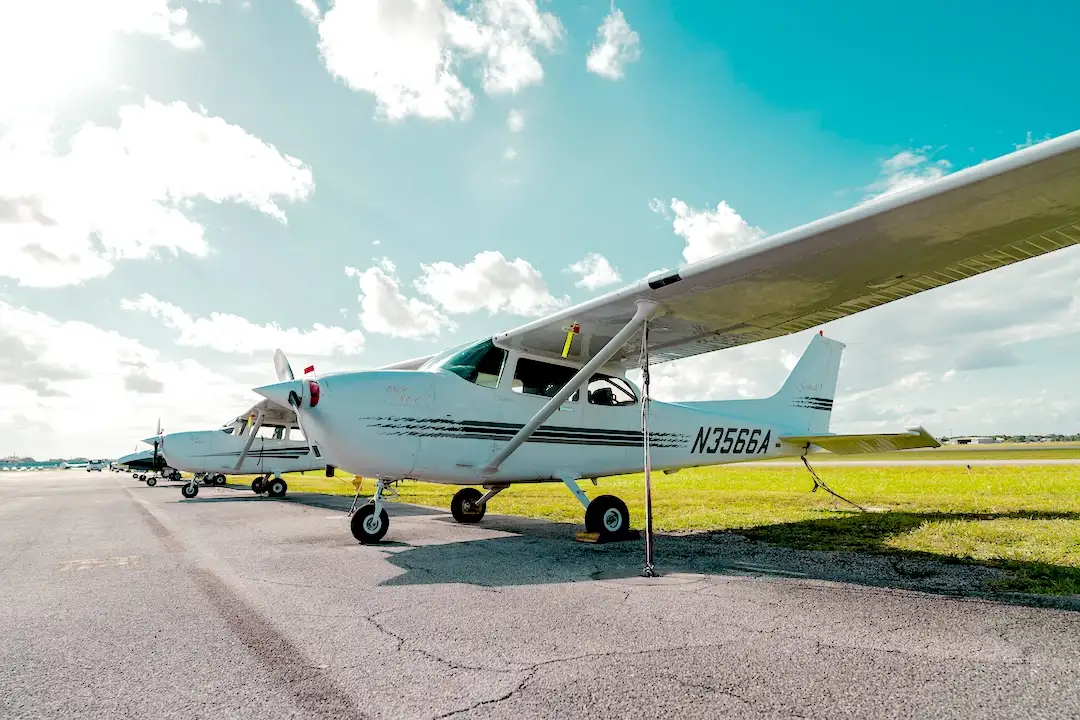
(119, 600)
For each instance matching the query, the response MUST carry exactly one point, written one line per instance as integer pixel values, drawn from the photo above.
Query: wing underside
(868, 443)
(1010, 209)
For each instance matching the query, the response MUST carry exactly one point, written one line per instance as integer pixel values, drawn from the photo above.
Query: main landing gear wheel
(464, 508)
(367, 527)
(258, 485)
(608, 517)
(276, 488)
(151, 481)
(174, 475)
(190, 490)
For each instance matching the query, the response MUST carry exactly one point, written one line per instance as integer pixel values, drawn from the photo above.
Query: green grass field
(1025, 520)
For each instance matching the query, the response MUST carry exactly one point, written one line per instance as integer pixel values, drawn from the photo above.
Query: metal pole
(648, 570)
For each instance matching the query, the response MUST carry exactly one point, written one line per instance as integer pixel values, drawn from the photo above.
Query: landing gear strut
(370, 522)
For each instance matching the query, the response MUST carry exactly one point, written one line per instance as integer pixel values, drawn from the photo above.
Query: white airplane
(479, 416)
(261, 441)
(148, 466)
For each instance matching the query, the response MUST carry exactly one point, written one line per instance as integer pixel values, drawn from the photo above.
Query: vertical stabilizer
(805, 401)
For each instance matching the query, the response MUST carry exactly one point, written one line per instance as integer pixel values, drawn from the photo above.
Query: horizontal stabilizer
(868, 443)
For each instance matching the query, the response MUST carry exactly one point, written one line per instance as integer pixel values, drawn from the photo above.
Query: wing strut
(251, 438)
(645, 310)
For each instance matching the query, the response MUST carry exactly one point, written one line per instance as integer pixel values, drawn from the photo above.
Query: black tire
(276, 488)
(152, 481)
(190, 490)
(175, 475)
(463, 507)
(363, 524)
(608, 517)
(258, 486)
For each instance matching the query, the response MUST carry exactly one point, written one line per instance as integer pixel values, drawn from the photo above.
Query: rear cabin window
(481, 364)
(610, 391)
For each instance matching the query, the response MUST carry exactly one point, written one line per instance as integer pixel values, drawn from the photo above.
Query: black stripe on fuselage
(485, 430)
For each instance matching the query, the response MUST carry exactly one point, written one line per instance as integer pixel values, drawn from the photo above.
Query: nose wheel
(370, 522)
(190, 490)
(369, 525)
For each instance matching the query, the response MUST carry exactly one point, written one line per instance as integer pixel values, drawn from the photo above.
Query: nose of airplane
(279, 392)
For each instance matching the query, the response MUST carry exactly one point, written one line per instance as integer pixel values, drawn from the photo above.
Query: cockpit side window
(532, 377)
(481, 364)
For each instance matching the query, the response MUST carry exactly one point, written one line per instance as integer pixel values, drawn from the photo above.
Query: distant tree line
(1044, 437)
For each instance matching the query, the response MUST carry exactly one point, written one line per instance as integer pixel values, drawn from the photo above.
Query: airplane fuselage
(438, 427)
(215, 451)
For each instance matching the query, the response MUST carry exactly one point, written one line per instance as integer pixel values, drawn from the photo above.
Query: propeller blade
(281, 365)
(295, 401)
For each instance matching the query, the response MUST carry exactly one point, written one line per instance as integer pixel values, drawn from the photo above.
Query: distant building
(972, 440)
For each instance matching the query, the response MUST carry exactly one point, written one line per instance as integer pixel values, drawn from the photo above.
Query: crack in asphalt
(453, 665)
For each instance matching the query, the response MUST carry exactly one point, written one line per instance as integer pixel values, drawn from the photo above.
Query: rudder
(808, 393)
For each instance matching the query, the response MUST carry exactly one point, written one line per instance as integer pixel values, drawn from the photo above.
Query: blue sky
(190, 206)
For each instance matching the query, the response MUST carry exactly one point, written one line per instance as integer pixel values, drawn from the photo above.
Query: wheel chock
(588, 537)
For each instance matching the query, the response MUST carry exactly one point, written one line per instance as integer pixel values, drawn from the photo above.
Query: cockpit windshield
(481, 363)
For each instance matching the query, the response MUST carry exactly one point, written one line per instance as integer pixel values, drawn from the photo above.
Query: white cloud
(515, 121)
(490, 282)
(50, 49)
(616, 45)
(232, 333)
(709, 232)
(385, 310)
(406, 52)
(121, 193)
(71, 388)
(509, 154)
(1029, 141)
(595, 271)
(905, 170)
(310, 10)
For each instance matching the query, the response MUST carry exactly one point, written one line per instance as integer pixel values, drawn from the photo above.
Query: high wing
(869, 443)
(272, 414)
(1003, 211)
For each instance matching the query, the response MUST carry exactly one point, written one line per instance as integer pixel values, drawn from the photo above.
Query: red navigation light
(313, 393)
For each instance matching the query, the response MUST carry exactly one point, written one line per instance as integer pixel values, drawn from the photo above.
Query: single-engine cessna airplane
(142, 462)
(549, 401)
(258, 442)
